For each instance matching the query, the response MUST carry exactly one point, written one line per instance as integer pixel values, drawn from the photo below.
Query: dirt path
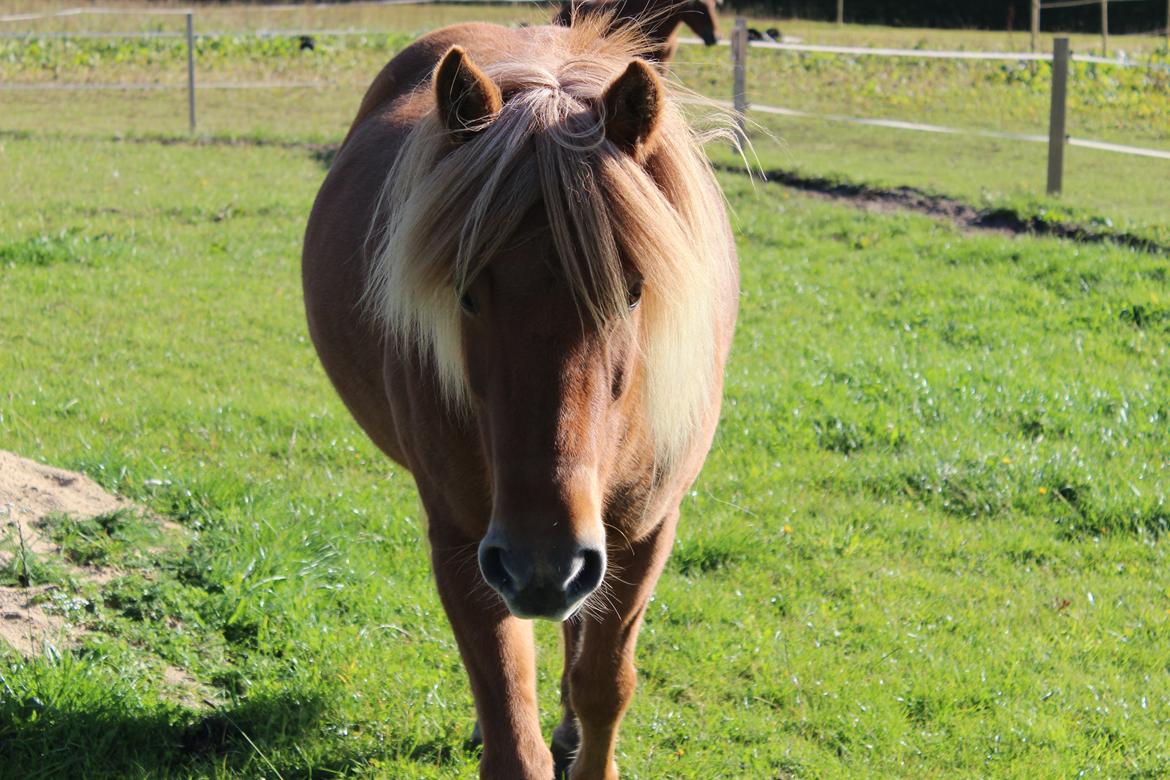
(966, 217)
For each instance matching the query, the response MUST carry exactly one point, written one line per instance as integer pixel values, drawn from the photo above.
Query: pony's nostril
(589, 571)
(493, 568)
(507, 572)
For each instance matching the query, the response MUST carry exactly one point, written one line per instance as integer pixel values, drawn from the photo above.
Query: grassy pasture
(929, 541)
(1129, 106)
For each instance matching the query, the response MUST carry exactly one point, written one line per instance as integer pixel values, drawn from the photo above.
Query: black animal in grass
(771, 35)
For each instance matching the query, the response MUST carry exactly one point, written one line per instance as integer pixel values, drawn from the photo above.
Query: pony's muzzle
(549, 584)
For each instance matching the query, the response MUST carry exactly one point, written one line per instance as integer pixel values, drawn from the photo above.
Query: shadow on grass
(115, 740)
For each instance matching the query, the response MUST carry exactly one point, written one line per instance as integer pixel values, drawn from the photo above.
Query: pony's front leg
(566, 738)
(602, 679)
(498, 653)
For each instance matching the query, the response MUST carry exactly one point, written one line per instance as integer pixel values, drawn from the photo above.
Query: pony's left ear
(632, 107)
(466, 98)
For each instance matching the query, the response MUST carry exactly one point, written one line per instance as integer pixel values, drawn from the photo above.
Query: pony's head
(703, 18)
(550, 232)
(655, 20)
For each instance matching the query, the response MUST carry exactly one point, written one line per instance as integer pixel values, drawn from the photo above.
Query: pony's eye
(466, 303)
(634, 293)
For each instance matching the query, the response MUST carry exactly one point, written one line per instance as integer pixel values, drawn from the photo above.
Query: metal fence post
(191, 68)
(1035, 23)
(1056, 132)
(739, 38)
(1105, 28)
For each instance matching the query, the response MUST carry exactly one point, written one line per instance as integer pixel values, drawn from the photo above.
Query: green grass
(929, 540)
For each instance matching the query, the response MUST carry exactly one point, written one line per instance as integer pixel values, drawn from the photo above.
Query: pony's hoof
(565, 741)
(561, 765)
(476, 739)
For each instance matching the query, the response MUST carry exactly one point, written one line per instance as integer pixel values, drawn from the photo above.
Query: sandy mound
(30, 491)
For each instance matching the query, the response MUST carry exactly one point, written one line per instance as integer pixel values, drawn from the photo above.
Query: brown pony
(656, 20)
(520, 277)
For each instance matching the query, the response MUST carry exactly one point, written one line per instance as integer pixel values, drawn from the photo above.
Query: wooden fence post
(1056, 131)
(840, 12)
(191, 68)
(739, 47)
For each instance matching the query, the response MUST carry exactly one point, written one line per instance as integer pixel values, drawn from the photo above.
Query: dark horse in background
(656, 20)
(520, 278)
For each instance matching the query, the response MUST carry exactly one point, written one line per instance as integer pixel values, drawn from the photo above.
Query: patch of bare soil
(29, 493)
(24, 624)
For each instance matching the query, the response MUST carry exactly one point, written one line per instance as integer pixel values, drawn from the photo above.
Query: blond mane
(447, 209)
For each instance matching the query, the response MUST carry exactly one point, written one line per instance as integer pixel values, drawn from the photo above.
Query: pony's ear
(632, 107)
(466, 98)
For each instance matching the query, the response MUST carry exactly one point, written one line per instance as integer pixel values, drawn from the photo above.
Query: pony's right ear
(466, 98)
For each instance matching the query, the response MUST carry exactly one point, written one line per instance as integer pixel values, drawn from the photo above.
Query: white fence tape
(84, 35)
(310, 6)
(28, 17)
(292, 33)
(798, 47)
(932, 54)
(1121, 148)
(898, 124)
(96, 11)
(56, 86)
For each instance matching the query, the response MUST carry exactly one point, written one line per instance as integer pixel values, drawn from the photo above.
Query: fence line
(898, 124)
(262, 33)
(96, 12)
(1057, 138)
(879, 51)
(740, 105)
(875, 51)
(83, 35)
(78, 86)
(1077, 3)
(799, 47)
(1105, 146)
(895, 124)
(83, 11)
(933, 54)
